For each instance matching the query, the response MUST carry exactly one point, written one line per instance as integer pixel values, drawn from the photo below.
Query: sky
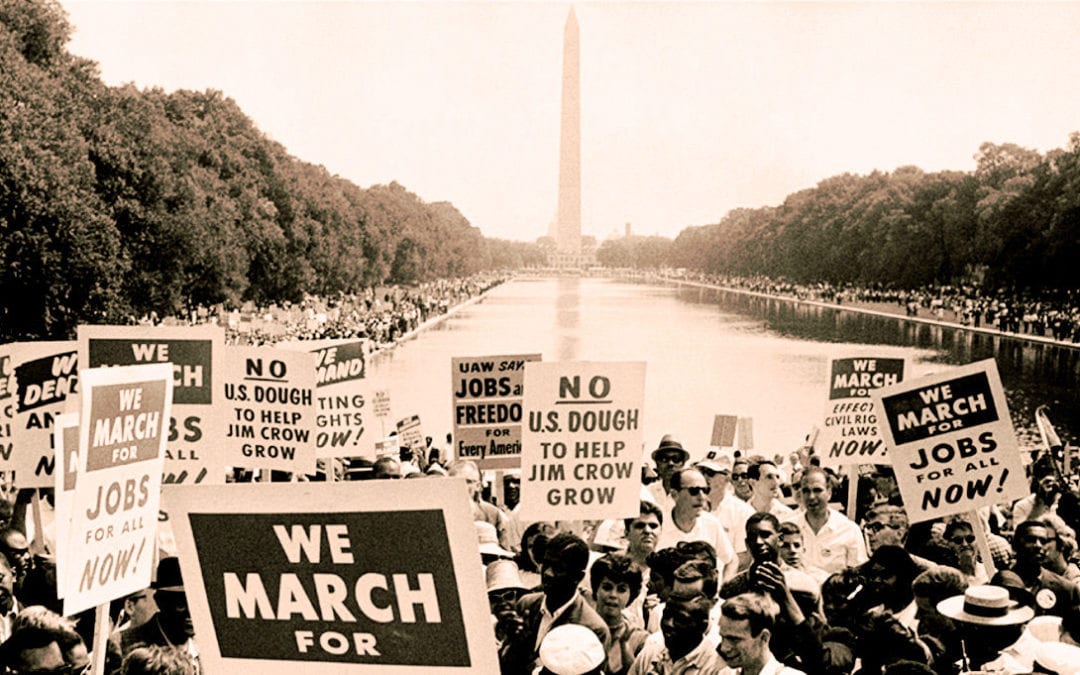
(688, 110)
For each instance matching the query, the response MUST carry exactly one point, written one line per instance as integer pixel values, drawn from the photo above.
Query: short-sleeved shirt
(837, 545)
(706, 528)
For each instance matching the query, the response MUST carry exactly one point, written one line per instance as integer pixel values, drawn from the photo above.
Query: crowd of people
(1054, 314)
(733, 565)
(382, 315)
(746, 565)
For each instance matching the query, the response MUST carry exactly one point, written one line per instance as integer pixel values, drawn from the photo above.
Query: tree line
(1013, 223)
(116, 201)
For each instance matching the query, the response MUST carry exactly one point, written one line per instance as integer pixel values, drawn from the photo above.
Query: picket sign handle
(101, 639)
(982, 541)
(853, 490)
(38, 544)
(264, 475)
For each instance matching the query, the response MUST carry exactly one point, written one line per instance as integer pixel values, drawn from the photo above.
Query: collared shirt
(732, 513)
(771, 667)
(655, 660)
(548, 618)
(706, 528)
(838, 544)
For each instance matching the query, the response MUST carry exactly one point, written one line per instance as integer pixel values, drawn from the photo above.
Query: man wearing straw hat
(988, 621)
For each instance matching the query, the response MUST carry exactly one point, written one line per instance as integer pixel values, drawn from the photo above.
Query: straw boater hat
(987, 606)
(488, 538)
(669, 444)
(571, 649)
(502, 575)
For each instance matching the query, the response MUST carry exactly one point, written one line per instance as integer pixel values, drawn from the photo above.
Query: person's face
(962, 541)
(500, 601)
(681, 629)
(668, 463)
(41, 659)
(815, 492)
(1031, 547)
(472, 478)
(693, 494)
(141, 606)
(884, 530)
(1048, 487)
(881, 582)
(512, 490)
(612, 597)
(174, 613)
(791, 547)
(558, 580)
(644, 533)
(740, 480)
(718, 480)
(768, 483)
(17, 551)
(739, 648)
(658, 587)
(763, 541)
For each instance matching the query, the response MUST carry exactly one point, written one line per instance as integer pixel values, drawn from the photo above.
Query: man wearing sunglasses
(690, 520)
(960, 539)
(669, 456)
(731, 511)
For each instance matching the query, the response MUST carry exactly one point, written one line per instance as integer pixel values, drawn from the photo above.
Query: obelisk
(569, 214)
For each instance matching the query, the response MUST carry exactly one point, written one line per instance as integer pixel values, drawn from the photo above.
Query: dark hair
(619, 568)
(1022, 528)
(23, 640)
(697, 550)
(155, 660)
(568, 549)
(676, 477)
(754, 470)
(692, 570)
(756, 518)
(647, 508)
(664, 563)
(759, 610)
(523, 558)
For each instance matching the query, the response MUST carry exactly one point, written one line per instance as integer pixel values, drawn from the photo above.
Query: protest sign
(581, 445)
(342, 396)
(850, 433)
(122, 436)
(270, 396)
(45, 374)
(197, 425)
(382, 403)
(410, 433)
(487, 395)
(744, 436)
(951, 441)
(7, 404)
(66, 442)
(723, 431)
(303, 577)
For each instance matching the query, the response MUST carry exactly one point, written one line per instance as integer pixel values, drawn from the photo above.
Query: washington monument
(568, 219)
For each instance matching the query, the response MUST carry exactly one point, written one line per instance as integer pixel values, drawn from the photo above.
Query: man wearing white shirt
(832, 542)
(746, 623)
(689, 520)
(731, 511)
(669, 456)
(765, 483)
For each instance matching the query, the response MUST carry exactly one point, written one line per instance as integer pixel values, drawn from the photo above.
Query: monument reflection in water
(707, 353)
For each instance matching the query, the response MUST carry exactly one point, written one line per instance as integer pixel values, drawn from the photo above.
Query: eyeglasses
(963, 539)
(669, 459)
(695, 491)
(876, 526)
(740, 476)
